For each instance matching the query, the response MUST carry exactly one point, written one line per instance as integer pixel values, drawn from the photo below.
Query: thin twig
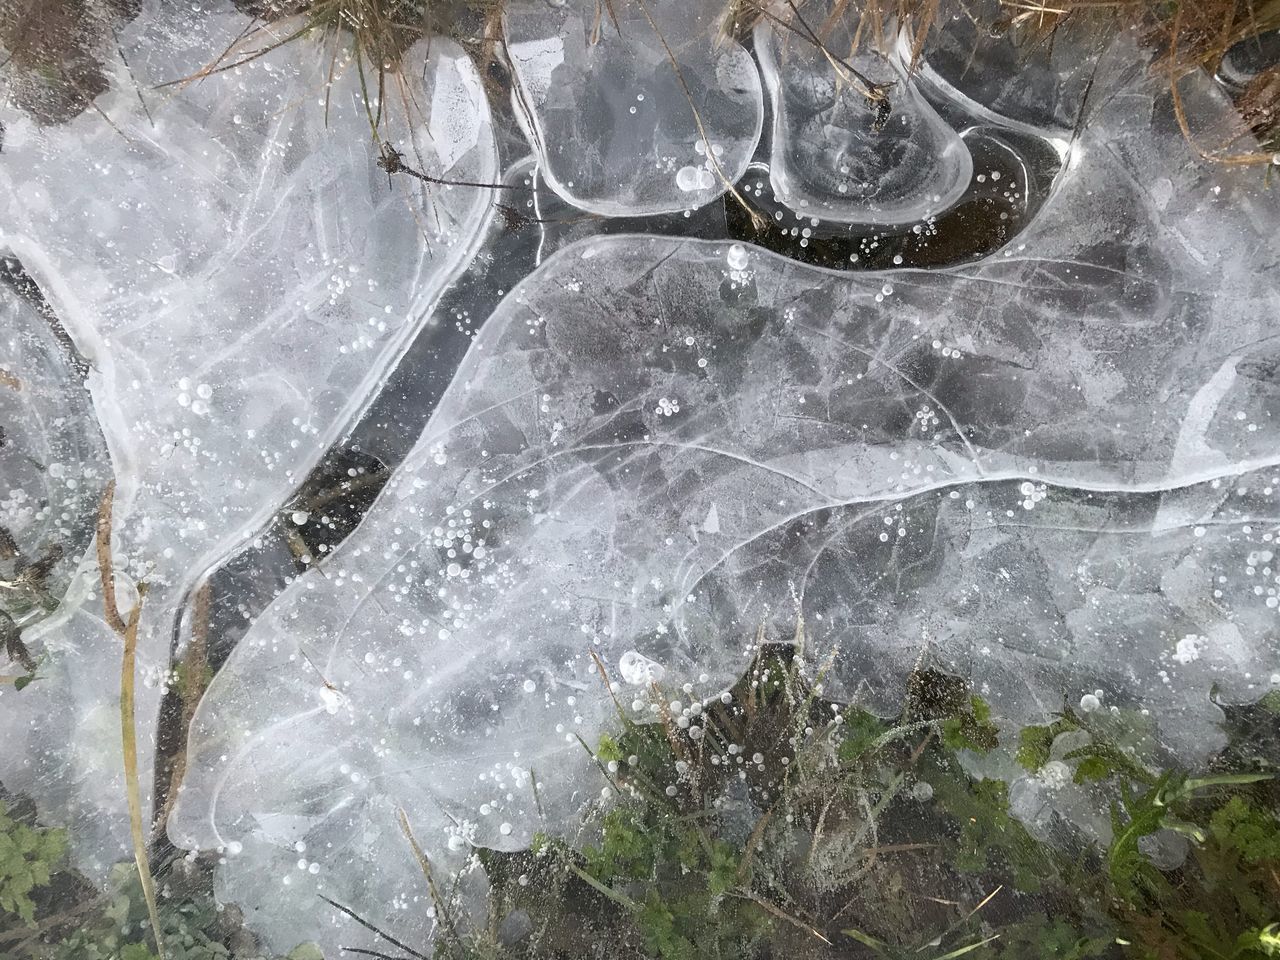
(604, 677)
(129, 735)
(781, 914)
(753, 843)
(609, 892)
(870, 89)
(391, 161)
(757, 220)
(425, 865)
(370, 927)
(128, 719)
(369, 953)
(537, 800)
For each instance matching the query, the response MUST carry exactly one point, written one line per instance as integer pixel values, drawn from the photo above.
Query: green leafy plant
(28, 858)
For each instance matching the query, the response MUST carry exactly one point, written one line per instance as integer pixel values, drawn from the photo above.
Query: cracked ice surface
(238, 273)
(612, 119)
(1056, 468)
(831, 156)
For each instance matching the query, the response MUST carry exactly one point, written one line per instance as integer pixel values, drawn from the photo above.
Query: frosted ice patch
(53, 461)
(538, 60)
(459, 113)
(862, 471)
(1018, 74)
(1188, 649)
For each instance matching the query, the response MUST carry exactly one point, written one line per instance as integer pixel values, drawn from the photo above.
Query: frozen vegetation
(1052, 470)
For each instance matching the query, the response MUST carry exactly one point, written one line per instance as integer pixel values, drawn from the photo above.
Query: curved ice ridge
(833, 155)
(1024, 77)
(239, 274)
(631, 115)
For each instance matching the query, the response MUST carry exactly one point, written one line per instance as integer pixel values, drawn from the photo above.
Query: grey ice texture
(833, 156)
(633, 108)
(1055, 470)
(238, 273)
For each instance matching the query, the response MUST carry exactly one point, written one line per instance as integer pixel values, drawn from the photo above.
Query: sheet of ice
(834, 153)
(619, 128)
(1039, 594)
(1028, 76)
(52, 463)
(54, 468)
(239, 274)
(656, 444)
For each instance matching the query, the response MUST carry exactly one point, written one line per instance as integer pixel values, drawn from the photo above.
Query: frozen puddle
(1050, 467)
(656, 445)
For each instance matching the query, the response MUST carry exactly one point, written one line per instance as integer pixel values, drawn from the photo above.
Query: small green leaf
(1034, 744)
(1092, 768)
(861, 731)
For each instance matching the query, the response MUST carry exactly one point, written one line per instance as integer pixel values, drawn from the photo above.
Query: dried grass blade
(105, 572)
(129, 737)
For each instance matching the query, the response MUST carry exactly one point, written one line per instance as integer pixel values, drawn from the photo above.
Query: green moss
(1036, 742)
(970, 727)
(862, 732)
(1244, 829)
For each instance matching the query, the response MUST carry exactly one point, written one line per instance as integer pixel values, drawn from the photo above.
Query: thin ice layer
(52, 460)
(1038, 594)
(633, 108)
(655, 444)
(239, 273)
(836, 153)
(1033, 74)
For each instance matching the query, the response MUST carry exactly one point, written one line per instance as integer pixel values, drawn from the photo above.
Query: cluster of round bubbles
(1054, 471)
